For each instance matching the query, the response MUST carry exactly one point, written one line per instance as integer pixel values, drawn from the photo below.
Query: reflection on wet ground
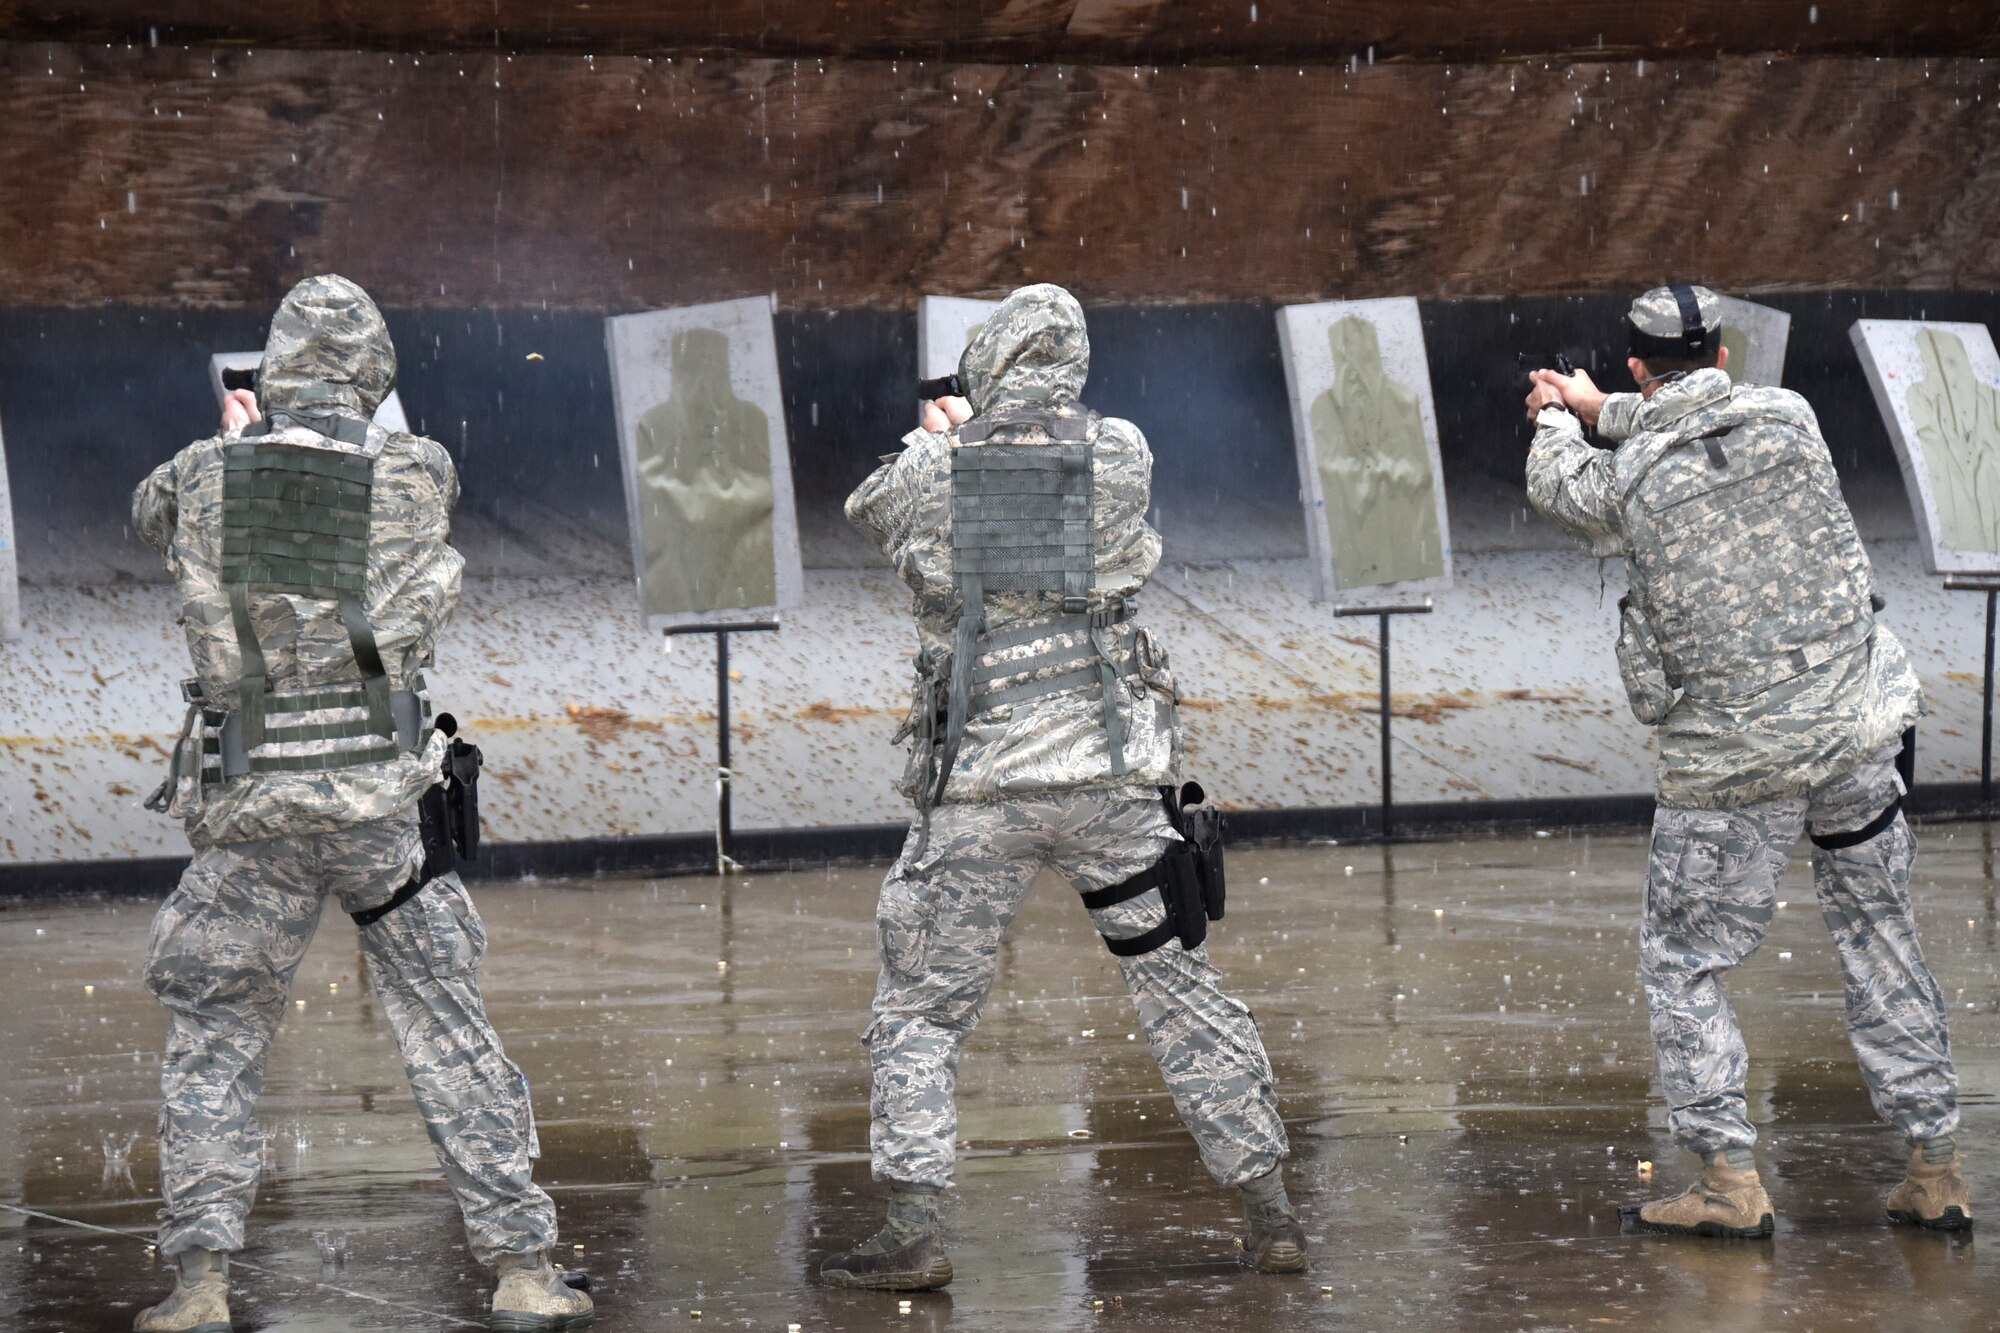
(1461, 1049)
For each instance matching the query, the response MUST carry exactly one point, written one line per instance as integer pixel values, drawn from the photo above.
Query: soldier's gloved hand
(942, 414)
(239, 409)
(1579, 392)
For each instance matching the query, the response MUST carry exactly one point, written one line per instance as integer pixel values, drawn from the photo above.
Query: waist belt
(347, 738)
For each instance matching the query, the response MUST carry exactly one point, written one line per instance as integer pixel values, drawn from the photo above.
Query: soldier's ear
(1722, 358)
(1638, 369)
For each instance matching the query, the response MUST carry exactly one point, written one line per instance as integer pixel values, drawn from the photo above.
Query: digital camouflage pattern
(224, 950)
(1778, 694)
(1710, 893)
(1658, 312)
(1033, 351)
(941, 921)
(328, 351)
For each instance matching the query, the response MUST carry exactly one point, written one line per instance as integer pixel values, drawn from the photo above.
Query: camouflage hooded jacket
(1718, 753)
(1034, 351)
(328, 350)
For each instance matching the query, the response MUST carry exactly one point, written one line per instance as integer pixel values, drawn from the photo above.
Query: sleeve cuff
(1619, 417)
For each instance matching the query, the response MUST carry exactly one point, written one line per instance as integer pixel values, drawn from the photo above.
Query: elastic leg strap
(1873, 829)
(409, 890)
(1156, 938)
(1152, 877)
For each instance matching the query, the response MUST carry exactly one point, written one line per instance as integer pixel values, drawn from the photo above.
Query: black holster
(1189, 878)
(448, 823)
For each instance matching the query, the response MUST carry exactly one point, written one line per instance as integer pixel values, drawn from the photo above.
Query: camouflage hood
(1034, 349)
(328, 348)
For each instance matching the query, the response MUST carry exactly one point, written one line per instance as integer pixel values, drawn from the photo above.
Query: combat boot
(1933, 1195)
(906, 1255)
(1275, 1242)
(199, 1302)
(532, 1296)
(1728, 1201)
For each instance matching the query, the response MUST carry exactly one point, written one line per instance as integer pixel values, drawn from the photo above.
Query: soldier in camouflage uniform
(1043, 727)
(1749, 639)
(312, 555)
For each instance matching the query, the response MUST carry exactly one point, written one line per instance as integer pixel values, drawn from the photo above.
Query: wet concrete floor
(1461, 1051)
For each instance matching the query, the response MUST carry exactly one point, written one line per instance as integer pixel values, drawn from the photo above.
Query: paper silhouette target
(10, 574)
(1755, 336)
(1938, 389)
(945, 324)
(708, 478)
(1366, 431)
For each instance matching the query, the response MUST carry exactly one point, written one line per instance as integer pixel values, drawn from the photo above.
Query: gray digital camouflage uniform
(1779, 701)
(1033, 786)
(271, 848)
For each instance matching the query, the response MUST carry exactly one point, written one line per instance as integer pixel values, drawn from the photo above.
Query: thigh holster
(1189, 878)
(447, 819)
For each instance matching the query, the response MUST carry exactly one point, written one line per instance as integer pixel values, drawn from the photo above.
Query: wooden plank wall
(1108, 30)
(212, 176)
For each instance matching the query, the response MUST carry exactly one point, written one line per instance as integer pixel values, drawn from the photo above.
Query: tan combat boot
(1728, 1201)
(1933, 1195)
(532, 1296)
(199, 1302)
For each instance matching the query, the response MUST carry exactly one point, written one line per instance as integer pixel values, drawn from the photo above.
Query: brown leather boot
(1933, 1195)
(199, 1302)
(1727, 1201)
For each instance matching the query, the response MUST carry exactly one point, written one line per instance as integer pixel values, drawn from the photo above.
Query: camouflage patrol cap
(1681, 320)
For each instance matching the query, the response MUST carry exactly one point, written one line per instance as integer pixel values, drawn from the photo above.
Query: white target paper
(1937, 386)
(10, 574)
(1369, 471)
(1755, 336)
(708, 471)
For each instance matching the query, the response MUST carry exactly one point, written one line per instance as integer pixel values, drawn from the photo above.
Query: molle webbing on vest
(296, 522)
(1022, 521)
(1747, 566)
(1054, 669)
(1021, 513)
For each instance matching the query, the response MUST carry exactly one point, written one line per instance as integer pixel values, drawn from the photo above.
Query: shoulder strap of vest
(1071, 429)
(1711, 440)
(332, 425)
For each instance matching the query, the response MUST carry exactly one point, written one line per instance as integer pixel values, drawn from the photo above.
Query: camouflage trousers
(941, 921)
(225, 947)
(1710, 894)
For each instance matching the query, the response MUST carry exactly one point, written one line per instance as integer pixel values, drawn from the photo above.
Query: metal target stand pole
(725, 827)
(1383, 613)
(1991, 587)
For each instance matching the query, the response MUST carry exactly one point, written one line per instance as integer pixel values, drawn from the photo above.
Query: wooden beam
(1074, 30)
(209, 177)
